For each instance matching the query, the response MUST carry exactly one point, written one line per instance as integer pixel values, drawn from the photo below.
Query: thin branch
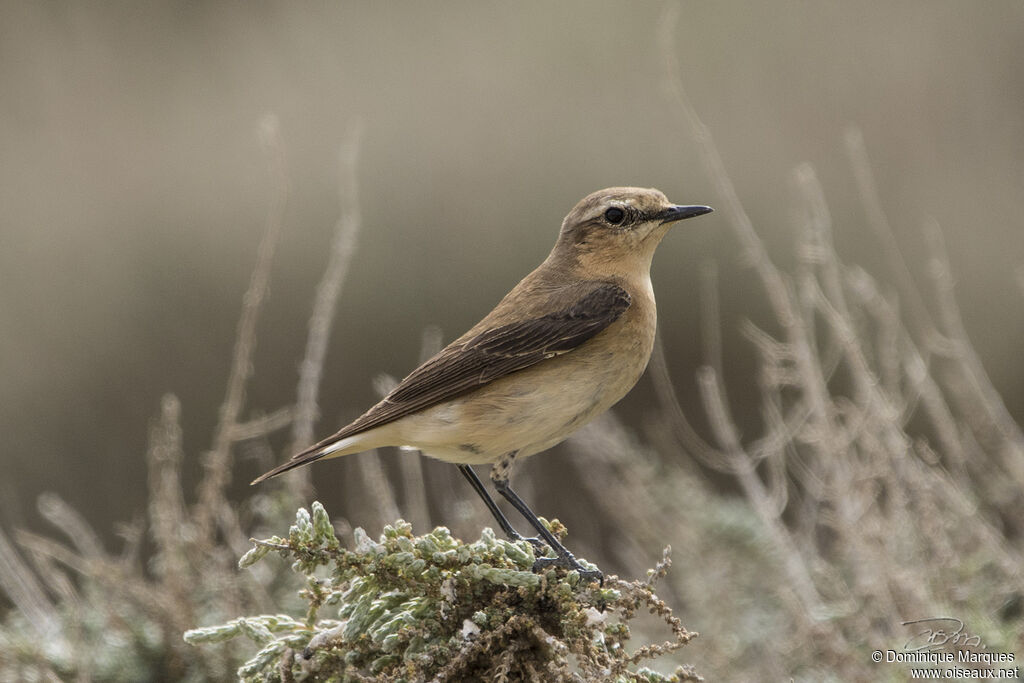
(378, 489)
(729, 441)
(47, 547)
(410, 467)
(217, 461)
(346, 233)
(710, 316)
(917, 311)
(22, 587)
(167, 510)
(921, 386)
(754, 252)
(682, 430)
(68, 520)
(953, 327)
(261, 426)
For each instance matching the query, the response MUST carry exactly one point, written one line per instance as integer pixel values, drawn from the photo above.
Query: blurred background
(134, 190)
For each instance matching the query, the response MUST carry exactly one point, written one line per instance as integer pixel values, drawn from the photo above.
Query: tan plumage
(568, 304)
(562, 347)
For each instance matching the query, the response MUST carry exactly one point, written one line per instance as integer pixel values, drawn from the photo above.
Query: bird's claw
(539, 546)
(569, 562)
(563, 558)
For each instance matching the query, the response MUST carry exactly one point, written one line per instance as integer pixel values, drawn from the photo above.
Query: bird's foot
(539, 546)
(569, 561)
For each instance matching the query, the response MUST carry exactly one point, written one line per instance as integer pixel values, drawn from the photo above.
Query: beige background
(133, 190)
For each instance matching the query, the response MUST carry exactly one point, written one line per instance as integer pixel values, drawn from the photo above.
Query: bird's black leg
(500, 478)
(502, 520)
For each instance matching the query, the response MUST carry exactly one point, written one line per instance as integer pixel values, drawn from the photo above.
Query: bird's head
(619, 225)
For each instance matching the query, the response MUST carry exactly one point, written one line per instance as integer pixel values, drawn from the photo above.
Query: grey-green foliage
(418, 608)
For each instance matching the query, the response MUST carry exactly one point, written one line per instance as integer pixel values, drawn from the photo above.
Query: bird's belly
(528, 411)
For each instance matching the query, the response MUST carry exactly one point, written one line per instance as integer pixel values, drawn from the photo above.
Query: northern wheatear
(569, 341)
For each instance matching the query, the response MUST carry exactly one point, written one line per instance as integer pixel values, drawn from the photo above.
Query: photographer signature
(938, 632)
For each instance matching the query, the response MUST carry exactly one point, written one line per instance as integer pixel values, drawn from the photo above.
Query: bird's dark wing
(468, 364)
(499, 351)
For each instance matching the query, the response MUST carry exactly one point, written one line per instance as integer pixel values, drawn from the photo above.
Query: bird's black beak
(678, 213)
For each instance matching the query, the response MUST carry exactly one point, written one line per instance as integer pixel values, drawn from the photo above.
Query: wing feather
(468, 364)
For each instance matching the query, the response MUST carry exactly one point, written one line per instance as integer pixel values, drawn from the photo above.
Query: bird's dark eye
(614, 215)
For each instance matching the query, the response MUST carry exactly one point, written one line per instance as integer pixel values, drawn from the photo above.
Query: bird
(564, 345)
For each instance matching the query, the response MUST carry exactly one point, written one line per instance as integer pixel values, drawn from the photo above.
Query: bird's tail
(330, 447)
